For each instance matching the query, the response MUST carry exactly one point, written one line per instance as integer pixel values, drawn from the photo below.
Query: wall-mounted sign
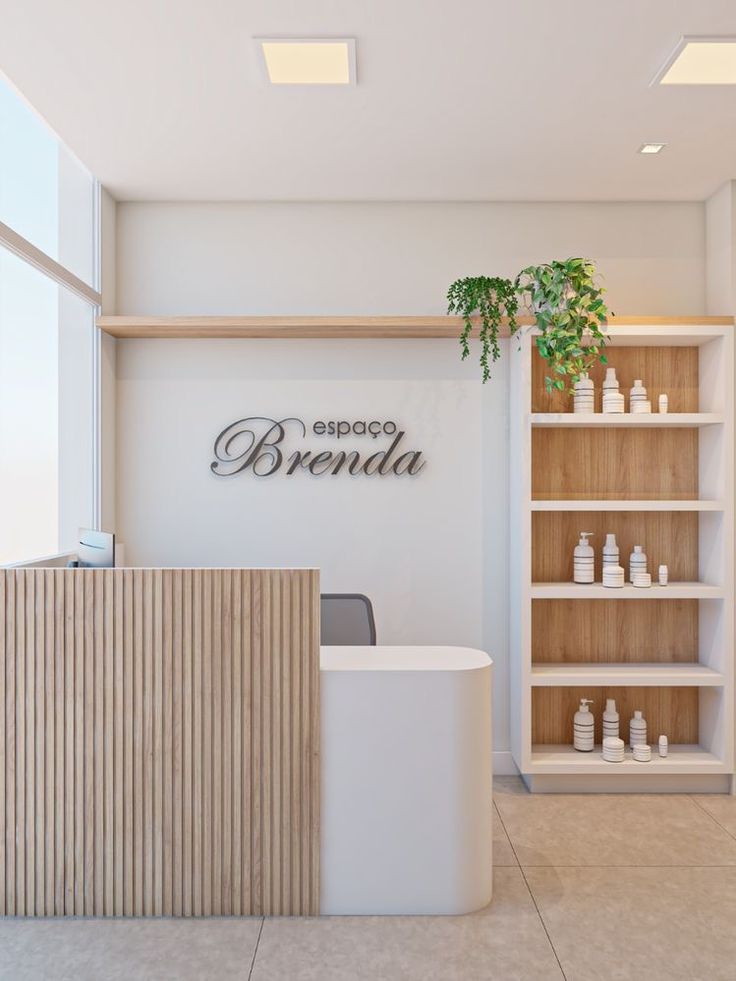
(264, 447)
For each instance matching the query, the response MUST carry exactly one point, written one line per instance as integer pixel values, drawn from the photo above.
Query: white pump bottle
(583, 564)
(584, 727)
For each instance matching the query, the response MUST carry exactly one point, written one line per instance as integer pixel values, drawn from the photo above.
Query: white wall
(395, 258)
(720, 224)
(433, 554)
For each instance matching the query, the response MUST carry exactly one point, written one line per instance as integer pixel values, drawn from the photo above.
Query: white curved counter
(406, 780)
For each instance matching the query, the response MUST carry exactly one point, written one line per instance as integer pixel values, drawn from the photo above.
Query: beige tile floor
(585, 887)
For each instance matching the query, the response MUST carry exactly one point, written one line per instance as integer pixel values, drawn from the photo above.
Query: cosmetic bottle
(663, 575)
(663, 746)
(637, 730)
(610, 551)
(637, 561)
(638, 396)
(584, 395)
(610, 382)
(584, 727)
(610, 719)
(663, 404)
(613, 400)
(583, 563)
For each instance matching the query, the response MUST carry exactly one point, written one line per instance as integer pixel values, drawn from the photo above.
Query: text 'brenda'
(260, 445)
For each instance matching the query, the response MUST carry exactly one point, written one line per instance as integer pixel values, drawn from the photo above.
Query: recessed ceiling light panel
(700, 61)
(652, 147)
(308, 61)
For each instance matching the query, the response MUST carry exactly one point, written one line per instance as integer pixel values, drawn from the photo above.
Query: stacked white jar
(638, 401)
(613, 749)
(584, 396)
(613, 400)
(613, 576)
(642, 753)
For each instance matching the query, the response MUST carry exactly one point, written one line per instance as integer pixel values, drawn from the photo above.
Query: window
(47, 338)
(46, 195)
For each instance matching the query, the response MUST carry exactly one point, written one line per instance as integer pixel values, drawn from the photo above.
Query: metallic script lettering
(257, 444)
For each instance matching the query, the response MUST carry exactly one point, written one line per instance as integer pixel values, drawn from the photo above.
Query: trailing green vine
(566, 301)
(491, 299)
(567, 304)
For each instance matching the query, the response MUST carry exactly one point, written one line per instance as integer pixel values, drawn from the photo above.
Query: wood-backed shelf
(680, 759)
(649, 478)
(618, 675)
(627, 420)
(618, 505)
(674, 590)
(340, 327)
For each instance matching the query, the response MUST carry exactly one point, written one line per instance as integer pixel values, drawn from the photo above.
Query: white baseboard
(503, 764)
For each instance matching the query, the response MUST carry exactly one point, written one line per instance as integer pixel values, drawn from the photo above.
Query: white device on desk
(95, 550)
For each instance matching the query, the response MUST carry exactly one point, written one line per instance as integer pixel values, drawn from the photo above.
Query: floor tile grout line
(711, 816)
(255, 949)
(531, 895)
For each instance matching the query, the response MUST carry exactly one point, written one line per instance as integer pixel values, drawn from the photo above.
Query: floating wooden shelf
(344, 327)
(637, 675)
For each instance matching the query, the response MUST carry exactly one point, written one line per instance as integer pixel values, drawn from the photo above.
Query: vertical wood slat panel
(159, 742)
(60, 672)
(10, 662)
(3, 762)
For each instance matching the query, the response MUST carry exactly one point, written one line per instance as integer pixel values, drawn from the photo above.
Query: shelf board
(675, 590)
(350, 326)
(681, 759)
(657, 505)
(654, 420)
(618, 675)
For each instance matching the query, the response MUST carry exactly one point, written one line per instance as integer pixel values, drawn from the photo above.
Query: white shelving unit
(707, 765)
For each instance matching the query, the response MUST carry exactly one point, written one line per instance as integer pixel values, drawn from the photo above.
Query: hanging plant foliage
(490, 299)
(566, 301)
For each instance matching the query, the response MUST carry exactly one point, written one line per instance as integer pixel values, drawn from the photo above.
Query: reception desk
(159, 742)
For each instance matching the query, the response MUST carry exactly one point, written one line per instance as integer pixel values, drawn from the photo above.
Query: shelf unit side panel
(520, 551)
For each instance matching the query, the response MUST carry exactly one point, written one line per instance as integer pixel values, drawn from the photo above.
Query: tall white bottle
(583, 563)
(610, 719)
(638, 730)
(610, 551)
(584, 394)
(584, 728)
(637, 561)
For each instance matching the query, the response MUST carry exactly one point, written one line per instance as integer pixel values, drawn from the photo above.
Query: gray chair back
(347, 620)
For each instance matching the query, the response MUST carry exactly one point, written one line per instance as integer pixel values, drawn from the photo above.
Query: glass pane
(46, 195)
(46, 413)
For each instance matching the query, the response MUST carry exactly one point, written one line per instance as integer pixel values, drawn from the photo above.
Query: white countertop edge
(410, 658)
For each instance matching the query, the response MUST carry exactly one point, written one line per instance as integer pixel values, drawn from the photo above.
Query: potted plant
(491, 299)
(566, 302)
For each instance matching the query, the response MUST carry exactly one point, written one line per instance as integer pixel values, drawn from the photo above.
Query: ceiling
(463, 100)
